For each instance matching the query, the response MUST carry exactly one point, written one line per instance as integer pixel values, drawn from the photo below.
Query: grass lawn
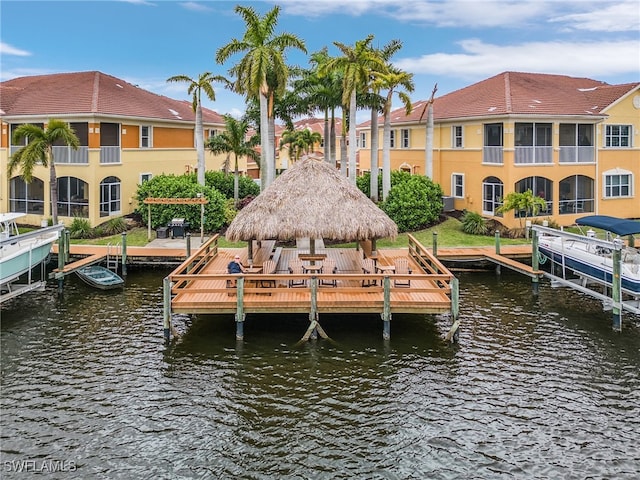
(450, 234)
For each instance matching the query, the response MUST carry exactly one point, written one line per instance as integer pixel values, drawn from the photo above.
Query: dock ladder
(113, 252)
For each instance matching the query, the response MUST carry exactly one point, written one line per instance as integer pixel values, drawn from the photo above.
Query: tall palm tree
(428, 148)
(196, 87)
(262, 72)
(377, 104)
(392, 81)
(234, 141)
(39, 149)
(357, 63)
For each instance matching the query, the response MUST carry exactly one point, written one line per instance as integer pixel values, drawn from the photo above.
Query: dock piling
(124, 254)
(166, 297)
(386, 313)
(435, 244)
(240, 315)
(616, 287)
(535, 284)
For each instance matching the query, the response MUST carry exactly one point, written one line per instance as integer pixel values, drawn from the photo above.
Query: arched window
(110, 196)
(26, 197)
(541, 187)
(576, 194)
(73, 197)
(492, 191)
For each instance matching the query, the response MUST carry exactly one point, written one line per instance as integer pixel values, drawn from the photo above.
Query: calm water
(538, 388)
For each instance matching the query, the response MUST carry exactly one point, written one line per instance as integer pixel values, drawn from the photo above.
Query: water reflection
(539, 387)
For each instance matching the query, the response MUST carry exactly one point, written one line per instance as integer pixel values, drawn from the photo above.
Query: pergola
(176, 201)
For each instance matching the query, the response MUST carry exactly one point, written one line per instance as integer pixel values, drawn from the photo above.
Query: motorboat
(100, 277)
(19, 253)
(591, 258)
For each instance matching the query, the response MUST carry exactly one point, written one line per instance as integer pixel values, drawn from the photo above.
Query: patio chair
(268, 268)
(402, 267)
(368, 268)
(296, 268)
(329, 266)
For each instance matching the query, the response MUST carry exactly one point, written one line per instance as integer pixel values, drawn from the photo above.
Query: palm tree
(234, 141)
(299, 142)
(357, 63)
(376, 85)
(392, 81)
(196, 87)
(262, 72)
(39, 149)
(428, 150)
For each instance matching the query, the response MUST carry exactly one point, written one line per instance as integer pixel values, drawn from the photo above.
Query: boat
(591, 258)
(100, 277)
(20, 253)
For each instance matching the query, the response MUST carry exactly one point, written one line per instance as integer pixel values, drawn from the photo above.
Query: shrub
(474, 224)
(224, 184)
(80, 228)
(363, 182)
(181, 186)
(113, 226)
(414, 202)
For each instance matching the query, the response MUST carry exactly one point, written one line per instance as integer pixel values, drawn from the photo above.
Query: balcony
(110, 154)
(67, 155)
(533, 155)
(577, 154)
(492, 155)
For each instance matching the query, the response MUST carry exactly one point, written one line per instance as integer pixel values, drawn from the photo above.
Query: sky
(448, 43)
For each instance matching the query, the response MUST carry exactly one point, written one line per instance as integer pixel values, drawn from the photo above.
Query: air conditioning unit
(447, 204)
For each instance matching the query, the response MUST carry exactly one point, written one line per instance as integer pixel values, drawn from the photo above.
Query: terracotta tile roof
(92, 93)
(516, 93)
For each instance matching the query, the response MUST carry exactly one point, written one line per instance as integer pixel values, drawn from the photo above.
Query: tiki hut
(311, 199)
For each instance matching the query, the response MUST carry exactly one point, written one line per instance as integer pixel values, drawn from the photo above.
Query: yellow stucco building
(573, 141)
(127, 135)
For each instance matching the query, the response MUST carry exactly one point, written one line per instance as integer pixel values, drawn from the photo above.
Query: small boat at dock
(100, 277)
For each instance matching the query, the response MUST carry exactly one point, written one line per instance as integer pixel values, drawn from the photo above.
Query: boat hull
(100, 277)
(599, 268)
(19, 255)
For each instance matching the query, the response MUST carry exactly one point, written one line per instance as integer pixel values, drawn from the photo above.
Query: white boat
(591, 258)
(19, 253)
(100, 277)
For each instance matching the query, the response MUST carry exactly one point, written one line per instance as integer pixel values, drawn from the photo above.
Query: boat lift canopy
(619, 226)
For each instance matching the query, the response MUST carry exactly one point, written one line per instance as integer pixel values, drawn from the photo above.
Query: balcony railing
(110, 154)
(577, 155)
(492, 155)
(66, 154)
(529, 155)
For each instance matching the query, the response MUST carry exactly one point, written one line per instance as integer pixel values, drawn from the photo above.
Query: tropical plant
(299, 142)
(357, 64)
(196, 87)
(393, 79)
(473, 223)
(224, 183)
(39, 149)
(181, 186)
(428, 150)
(80, 228)
(523, 203)
(233, 140)
(414, 203)
(261, 73)
(114, 226)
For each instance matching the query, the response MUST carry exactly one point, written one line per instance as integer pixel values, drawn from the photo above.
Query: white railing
(66, 154)
(492, 155)
(577, 155)
(528, 155)
(110, 154)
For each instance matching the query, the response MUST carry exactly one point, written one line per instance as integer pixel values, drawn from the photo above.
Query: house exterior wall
(468, 160)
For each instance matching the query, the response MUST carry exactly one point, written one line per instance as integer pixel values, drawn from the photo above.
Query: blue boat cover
(619, 226)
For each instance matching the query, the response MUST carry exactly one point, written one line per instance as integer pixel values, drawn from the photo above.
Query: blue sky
(453, 43)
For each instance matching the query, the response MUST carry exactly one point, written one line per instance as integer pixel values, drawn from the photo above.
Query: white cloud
(140, 2)
(478, 59)
(616, 17)
(6, 49)
(195, 7)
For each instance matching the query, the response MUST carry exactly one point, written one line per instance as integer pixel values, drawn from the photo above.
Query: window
(109, 196)
(492, 150)
(145, 136)
(363, 140)
(145, 177)
(456, 133)
(576, 143)
(457, 185)
(576, 195)
(617, 183)
(618, 136)
(541, 187)
(533, 143)
(392, 139)
(73, 198)
(26, 197)
(212, 132)
(492, 189)
(404, 133)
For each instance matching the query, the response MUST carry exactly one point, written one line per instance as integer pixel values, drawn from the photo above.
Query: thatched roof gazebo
(311, 199)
